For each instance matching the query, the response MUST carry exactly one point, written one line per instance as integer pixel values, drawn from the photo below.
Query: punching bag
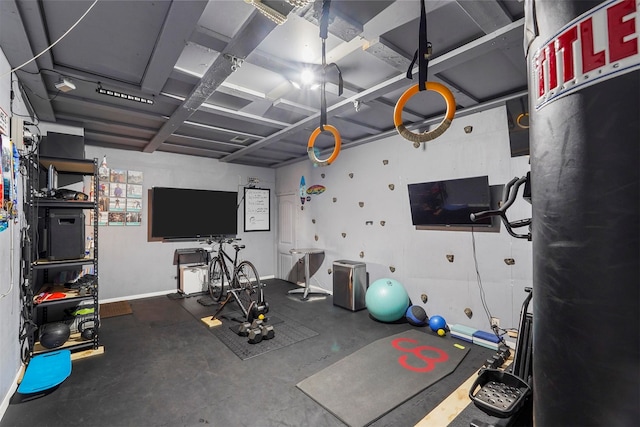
(584, 92)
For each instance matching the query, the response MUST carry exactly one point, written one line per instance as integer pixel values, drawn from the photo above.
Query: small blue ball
(436, 323)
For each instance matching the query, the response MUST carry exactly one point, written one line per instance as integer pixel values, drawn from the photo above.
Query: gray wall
(132, 267)
(418, 256)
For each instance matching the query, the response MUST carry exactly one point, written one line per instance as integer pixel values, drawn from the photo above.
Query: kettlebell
(87, 333)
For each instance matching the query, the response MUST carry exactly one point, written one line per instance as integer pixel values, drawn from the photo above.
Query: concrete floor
(163, 367)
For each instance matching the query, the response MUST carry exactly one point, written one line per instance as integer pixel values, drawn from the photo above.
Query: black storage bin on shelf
(65, 234)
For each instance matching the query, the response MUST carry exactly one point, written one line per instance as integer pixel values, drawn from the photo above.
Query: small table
(307, 285)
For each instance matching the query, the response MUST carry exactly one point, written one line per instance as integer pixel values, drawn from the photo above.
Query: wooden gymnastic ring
(336, 149)
(417, 138)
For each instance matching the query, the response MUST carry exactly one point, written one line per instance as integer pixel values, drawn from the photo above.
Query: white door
(287, 204)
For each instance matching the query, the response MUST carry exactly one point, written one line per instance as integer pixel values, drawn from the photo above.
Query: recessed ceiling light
(240, 139)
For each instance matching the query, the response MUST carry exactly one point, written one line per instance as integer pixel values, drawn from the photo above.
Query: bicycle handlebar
(509, 194)
(212, 240)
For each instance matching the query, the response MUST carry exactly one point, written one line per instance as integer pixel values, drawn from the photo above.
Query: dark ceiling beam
(191, 151)
(253, 31)
(220, 129)
(88, 105)
(114, 138)
(125, 128)
(17, 49)
(453, 58)
(363, 127)
(181, 18)
(489, 15)
(193, 139)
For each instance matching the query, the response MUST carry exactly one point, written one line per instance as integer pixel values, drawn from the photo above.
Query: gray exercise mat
(372, 381)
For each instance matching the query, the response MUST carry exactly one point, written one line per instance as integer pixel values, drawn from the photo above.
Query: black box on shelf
(62, 146)
(65, 234)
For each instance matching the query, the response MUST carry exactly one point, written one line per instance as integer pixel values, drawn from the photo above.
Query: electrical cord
(483, 298)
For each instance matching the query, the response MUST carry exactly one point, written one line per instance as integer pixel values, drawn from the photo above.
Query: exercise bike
(504, 393)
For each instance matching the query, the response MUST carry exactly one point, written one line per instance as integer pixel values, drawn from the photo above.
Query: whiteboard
(256, 209)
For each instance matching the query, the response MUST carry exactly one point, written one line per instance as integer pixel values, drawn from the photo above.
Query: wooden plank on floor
(453, 405)
(210, 321)
(87, 353)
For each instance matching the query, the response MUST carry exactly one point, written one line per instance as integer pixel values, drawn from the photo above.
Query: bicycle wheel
(216, 279)
(248, 288)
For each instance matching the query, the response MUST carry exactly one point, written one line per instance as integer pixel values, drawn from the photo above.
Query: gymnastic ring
(417, 138)
(336, 149)
(520, 117)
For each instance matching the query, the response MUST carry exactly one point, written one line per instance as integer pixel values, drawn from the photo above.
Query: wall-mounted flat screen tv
(450, 202)
(180, 213)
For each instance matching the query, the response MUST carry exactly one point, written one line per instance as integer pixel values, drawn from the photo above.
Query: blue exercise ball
(437, 324)
(387, 300)
(416, 316)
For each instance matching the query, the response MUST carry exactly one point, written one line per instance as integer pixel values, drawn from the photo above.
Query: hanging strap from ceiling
(424, 50)
(324, 34)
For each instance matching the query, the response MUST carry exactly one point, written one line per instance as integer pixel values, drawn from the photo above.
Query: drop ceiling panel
(115, 39)
(447, 28)
(225, 17)
(487, 75)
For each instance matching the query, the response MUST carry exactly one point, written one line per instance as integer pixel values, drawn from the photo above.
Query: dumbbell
(267, 332)
(255, 336)
(243, 329)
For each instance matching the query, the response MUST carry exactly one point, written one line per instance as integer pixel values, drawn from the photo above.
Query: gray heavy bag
(584, 95)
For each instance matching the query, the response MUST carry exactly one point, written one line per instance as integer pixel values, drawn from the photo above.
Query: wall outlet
(495, 322)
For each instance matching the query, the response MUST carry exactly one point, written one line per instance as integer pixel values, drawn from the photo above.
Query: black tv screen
(179, 213)
(450, 202)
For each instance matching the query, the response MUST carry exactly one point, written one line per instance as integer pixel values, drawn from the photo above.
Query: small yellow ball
(261, 317)
(441, 332)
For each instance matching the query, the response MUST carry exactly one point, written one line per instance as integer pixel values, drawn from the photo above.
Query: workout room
(322, 213)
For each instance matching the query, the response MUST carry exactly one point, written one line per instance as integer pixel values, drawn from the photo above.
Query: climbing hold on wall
(322, 175)
(335, 199)
(392, 268)
(468, 312)
(450, 257)
(313, 220)
(344, 235)
(391, 187)
(382, 223)
(509, 261)
(329, 271)
(361, 204)
(351, 175)
(385, 162)
(316, 237)
(361, 254)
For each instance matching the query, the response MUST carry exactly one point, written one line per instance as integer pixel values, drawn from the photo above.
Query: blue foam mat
(46, 371)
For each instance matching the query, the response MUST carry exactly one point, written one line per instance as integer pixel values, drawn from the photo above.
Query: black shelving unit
(36, 285)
